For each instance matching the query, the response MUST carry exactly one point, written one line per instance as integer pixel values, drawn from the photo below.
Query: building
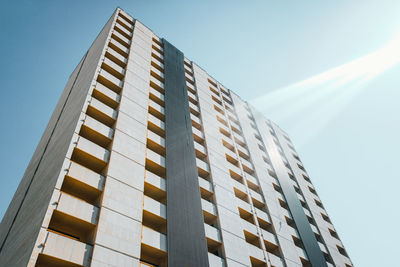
(149, 161)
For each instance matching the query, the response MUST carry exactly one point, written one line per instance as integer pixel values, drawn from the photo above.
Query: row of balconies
(71, 228)
(213, 237)
(154, 245)
(154, 240)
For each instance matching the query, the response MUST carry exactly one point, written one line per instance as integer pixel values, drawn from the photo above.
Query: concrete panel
(104, 257)
(125, 170)
(123, 199)
(236, 248)
(133, 110)
(129, 147)
(119, 233)
(131, 127)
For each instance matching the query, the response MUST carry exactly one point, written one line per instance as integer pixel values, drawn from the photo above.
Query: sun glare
(313, 102)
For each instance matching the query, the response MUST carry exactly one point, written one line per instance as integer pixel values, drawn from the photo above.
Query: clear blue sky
(266, 51)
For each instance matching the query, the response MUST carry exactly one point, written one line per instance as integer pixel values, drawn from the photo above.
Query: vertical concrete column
(185, 225)
(119, 228)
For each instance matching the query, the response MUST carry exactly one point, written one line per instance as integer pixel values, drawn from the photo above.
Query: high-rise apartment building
(149, 161)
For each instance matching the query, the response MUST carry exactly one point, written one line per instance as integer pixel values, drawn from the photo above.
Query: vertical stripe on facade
(185, 224)
(303, 226)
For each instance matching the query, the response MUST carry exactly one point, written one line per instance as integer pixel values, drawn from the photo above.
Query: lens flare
(310, 104)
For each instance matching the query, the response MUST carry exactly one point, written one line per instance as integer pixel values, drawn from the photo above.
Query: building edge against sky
(147, 160)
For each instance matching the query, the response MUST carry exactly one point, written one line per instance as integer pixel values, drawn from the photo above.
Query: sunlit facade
(149, 161)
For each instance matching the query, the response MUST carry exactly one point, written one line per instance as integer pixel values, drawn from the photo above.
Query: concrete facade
(104, 185)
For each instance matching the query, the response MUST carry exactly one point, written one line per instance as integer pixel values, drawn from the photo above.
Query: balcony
(194, 109)
(90, 155)
(156, 84)
(157, 55)
(60, 250)
(269, 237)
(127, 23)
(156, 125)
(227, 142)
(77, 208)
(157, 64)
(110, 81)
(155, 163)
(154, 215)
(247, 166)
(126, 17)
(155, 187)
(235, 169)
(258, 200)
(116, 57)
(157, 97)
(196, 122)
(71, 226)
(113, 68)
(245, 211)
(206, 188)
(123, 29)
(222, 120)
(192, 98)
(223, 90)
(249, 227)
(189, 78)
(96, 132)
(202, 168)
(238, 138)
(232, 160)
(101, 112)
(231, 154)
(124, 23)
(191, 88)
(158, 40)
(215, 261)
(198, 135)
(252, 182)
(263, 218)
(154, 246)
(200, 150)
(156, 73)
(117, 35)
(157, 110)
(224, 130)
(156, 143)
(276, 261)
(156, 46)
(213, 238)
(188, 69)
(209, 211)
(119, 47)
(83, 183)
(238, 185)
(256, 256)
(228, 105)
(243, 152)
(106, 96)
